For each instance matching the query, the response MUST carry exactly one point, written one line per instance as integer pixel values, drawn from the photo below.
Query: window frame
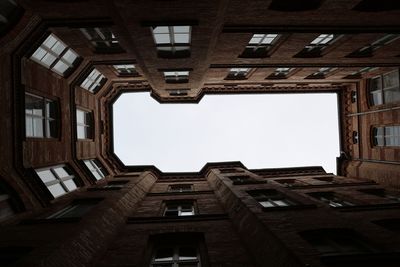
(88, 126)
(382, 89)
(172, 49)
(374, 133)
(57, 57)
(170, 204)
(100, 43)
(57, 179)
(129, 70)
(260, 49)
(99, 80)
(272, 199)
(315, 47)
(332, 199)
(100, 170)
(239, 73)
(176, 76)
(45, 118)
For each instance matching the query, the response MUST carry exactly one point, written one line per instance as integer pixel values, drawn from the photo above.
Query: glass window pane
(58, 48)
(28, 126)
(50, 41)
(181, 29)
(70, 184)
(37, 127)
(81, 132)
(52, 129)
(51, 109)
(162, 38)
(187, 253)
(39, 54)
(56, 190)
(60, 67)
(161, 29)
(164, 254)
(181, 38)
(48, 59)
(61, 172)
(46, 176)
(34, 105)
(80, 116)
(266, 204)
(70, 56)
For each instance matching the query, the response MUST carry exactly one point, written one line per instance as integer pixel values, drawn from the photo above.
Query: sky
(260, 130)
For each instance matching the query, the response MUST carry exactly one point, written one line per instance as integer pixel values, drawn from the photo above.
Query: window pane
(39, 54)
(81, 132)
(164, 254)
(181, 29)
(34, 105)
(162, 38)
(29, 126)
(58, 48)
(48, 59)
(70, 56)
(56, 190)
(52, 130)
(70, 184)
(50, 41)
(80, 116)
(61, 172)
(266, 204)
(181, 38)
(161, 29)
(46, 176)
(37, 126)
(187, 253)
(60, 67)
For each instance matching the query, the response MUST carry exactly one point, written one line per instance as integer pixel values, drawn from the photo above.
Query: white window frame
(165, 37)
(93, 81)
(85, 124)
(44, 118)
(239, 72)
(57, 179)
(58, 52)
(96, 170)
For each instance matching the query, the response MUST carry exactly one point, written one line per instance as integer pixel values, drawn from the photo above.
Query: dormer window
(55, 55)
(172, 41)
(94, 81)
(316, 46)
(259, 45)
(238, 73)
(102, 39)
(281, 73)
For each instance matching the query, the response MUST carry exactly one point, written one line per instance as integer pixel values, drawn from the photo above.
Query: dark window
(180, 188)
(332, 199)
(58, 179)
(316, 46)
(172, 41)
(259, 45)
(281, 73)
(176, 76)
(41, 117)
(84, 124)
(368, 50)
(322, 73)
(96, 168)
(336, 242)
(178, 92)
(126, 70)
(238, 73)
(270, 198)
(77, 209)
(175, 208)
(381, 193)
(94, 81)
(386, 136)
(385, 88)
(389, 224)
(102, 39)
(55, 55)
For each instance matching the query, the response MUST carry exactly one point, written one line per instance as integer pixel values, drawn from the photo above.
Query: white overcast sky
(261, 131)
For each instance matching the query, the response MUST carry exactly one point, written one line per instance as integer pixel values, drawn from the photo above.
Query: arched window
(386, 136)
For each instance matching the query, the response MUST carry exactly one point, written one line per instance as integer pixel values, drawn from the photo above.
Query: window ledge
(198, 217)
(294, 207)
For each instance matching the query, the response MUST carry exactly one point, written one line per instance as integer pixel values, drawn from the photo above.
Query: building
(67, 200)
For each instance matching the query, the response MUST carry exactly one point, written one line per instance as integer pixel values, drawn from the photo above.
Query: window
(386, 136)
(389, 224)
(179, 209)
(176, 76)
(94, 81)
(55, 55)
(331, 242)
(180, 188)
(178, 250)
(41, 116)
(239, 179)
(281, 73)
(331, 199)
(77, 209)
(271, 198)
(102, 39)
(290, 182)
(95, 167)
(84, 124)
(125, 69)
(322, 73)
(385, 88)
(358, 74)
(259, 45)
(367, 50)
(238, 73)
(172, 41)
(178, 92)
(381, 193)
(176, 256)
(316, 46)
(58, 179)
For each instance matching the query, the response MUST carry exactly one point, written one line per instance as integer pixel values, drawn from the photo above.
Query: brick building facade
(67, 200)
